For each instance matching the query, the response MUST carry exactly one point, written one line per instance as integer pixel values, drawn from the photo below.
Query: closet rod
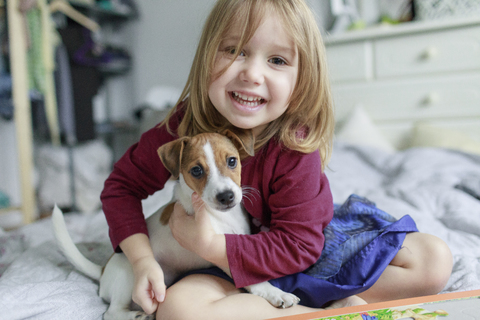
(22, 108)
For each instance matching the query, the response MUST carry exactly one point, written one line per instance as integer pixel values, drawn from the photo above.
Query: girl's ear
(171, 155)
(243, 139)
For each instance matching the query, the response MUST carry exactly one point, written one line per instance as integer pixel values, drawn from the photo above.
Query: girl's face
(257, 87)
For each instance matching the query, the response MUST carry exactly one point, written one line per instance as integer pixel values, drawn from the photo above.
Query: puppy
(208, 164)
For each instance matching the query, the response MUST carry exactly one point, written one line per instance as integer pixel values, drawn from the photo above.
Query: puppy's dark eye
(196, 172)
(232, 162)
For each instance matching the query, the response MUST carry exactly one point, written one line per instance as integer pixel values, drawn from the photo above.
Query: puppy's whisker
(250, 194)
(249, 197)
(250, 191)
(246, 197)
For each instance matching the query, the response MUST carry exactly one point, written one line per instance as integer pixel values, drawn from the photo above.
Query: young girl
(261, 65)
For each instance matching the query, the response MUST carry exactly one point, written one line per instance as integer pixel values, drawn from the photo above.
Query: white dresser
(410, 72)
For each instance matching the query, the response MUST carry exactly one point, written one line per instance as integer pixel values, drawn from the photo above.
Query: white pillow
(359, 129)
(426, 135)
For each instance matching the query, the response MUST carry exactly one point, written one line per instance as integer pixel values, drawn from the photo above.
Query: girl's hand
(149, 288)
(196, 234)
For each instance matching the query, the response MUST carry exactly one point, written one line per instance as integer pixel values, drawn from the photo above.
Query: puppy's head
(209, 164)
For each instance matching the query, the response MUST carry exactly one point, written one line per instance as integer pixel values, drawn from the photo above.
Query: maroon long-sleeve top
(293, 201)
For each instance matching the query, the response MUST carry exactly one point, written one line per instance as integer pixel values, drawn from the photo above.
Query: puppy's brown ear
(243, 139)
(171, 155)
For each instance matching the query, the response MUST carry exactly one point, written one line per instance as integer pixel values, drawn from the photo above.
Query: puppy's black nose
(226, 197)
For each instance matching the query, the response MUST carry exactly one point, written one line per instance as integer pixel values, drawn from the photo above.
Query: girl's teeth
(250, 99)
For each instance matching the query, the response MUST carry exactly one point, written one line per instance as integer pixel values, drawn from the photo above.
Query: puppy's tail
(70, 250)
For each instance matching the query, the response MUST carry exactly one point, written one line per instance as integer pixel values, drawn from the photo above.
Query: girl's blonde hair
(308, 123)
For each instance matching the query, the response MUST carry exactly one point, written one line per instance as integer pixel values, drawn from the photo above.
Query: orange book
(463, 305)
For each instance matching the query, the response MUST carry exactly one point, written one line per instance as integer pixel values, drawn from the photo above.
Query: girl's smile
(256, 88)
(246, 102)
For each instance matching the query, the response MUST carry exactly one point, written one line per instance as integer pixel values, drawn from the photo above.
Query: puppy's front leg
(278, 298)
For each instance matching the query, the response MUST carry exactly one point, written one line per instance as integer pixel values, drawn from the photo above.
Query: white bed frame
(415, 71)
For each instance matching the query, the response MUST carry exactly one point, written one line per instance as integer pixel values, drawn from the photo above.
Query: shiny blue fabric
(360, 242)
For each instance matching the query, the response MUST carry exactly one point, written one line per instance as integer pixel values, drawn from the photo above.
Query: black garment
(86, 80)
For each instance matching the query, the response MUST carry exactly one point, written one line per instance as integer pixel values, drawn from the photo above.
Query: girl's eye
(232, 162)
(197, 172)
(278, 61)
(233, 51)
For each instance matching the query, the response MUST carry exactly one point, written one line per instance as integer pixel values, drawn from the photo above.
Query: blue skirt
(360, 242)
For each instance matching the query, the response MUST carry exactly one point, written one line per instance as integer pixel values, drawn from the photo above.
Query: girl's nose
(252, 72)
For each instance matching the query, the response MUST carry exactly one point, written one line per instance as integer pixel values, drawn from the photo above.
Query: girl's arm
(295, 202)
(149, 288)
(138, 174)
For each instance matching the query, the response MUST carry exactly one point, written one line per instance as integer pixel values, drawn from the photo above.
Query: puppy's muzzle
(226, 200)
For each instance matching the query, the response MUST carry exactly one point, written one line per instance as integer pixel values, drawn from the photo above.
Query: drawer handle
(429, 53)
(431, 99)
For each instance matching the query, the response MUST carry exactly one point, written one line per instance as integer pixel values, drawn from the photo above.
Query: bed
(439, 188)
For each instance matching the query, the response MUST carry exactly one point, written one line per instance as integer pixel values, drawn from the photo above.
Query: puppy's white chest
(234, 221)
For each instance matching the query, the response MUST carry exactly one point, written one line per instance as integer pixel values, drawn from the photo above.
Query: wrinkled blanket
(439, 189)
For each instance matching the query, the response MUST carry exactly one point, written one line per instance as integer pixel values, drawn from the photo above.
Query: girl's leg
(202, 296)
(421, 267)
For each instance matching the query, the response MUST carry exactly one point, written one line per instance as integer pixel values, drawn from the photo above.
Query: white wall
(321, 10)
(164, 41)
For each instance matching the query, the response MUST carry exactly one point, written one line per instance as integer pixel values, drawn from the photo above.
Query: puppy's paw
(277, 298)
(285, 300)
(143, 316)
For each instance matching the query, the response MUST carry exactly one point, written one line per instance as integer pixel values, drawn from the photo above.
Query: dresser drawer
(422, 98)
(352, 61)
(428, 53)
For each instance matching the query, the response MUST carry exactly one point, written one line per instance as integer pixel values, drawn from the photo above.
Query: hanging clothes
(42, 40)
(64, 89)
(86, 81)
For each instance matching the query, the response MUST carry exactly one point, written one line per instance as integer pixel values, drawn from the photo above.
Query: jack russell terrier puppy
(208, 164)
